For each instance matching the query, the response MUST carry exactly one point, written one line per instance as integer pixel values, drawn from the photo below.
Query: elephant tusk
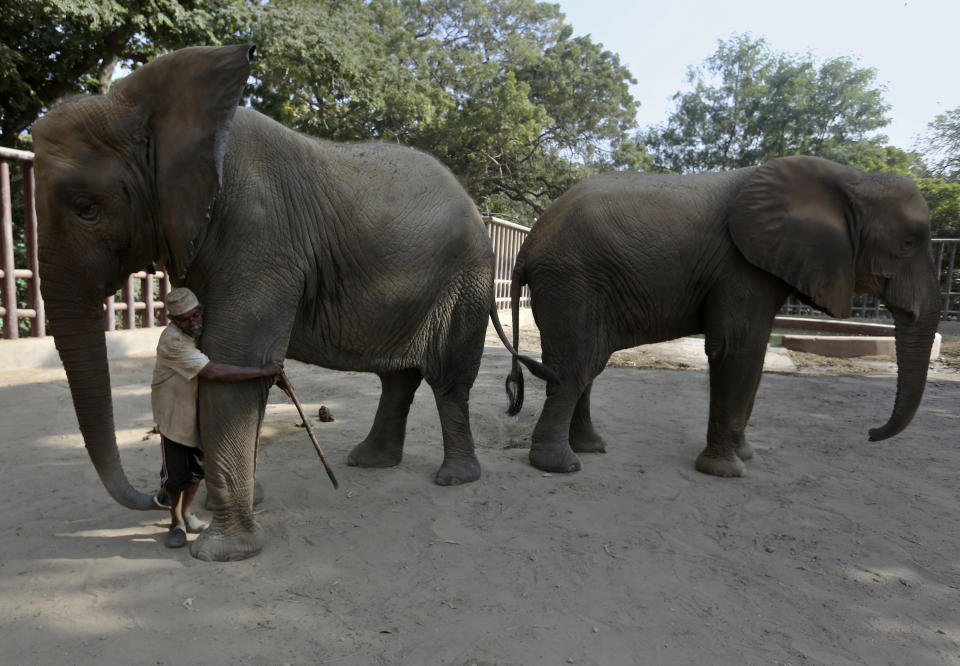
(288, 389)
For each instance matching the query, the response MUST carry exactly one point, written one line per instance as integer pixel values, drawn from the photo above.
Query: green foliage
(869, 156)
(51, 49)
(943, 199)
(941, 146)
(499, 90)
(750, 104)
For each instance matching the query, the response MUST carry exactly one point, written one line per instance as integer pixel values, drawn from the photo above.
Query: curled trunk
(82, 346)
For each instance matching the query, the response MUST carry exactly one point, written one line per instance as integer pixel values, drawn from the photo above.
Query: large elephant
(624, 259)
(367, 257)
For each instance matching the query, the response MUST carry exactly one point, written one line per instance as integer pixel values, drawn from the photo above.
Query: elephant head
(123, 180)
(830, 231)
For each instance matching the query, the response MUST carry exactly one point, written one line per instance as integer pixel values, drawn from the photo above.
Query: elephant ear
(793, 219)
(189, 98)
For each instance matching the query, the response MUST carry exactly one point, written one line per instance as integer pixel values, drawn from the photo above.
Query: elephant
(624, 259)
(364, 256)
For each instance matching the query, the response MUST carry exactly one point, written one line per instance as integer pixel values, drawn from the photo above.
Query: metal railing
(946, 257)
(506, 237)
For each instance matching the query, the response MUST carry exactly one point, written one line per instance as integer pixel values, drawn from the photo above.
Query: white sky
(913, 44)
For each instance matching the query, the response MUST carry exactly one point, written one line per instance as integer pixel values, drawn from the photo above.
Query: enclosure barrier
(139, 304)
(506, 237)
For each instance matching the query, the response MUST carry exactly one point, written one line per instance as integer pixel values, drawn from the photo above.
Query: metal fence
(506, 237)
(140, 302)
(945, 256)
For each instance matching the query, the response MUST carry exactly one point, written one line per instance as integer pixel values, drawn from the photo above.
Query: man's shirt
(174, 388)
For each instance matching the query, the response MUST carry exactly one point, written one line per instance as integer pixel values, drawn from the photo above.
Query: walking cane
(313, 437)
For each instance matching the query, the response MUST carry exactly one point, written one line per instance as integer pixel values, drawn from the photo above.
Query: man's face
(191, 322)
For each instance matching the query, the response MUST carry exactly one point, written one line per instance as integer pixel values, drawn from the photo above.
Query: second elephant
(625, 259)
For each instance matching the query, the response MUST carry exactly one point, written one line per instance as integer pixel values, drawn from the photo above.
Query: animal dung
(324, 414)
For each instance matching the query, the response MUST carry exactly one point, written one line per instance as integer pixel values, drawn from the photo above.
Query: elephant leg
(230, 418)
(550, 448)
(734, 377)
(460, 464)
(383, 446)
(583, 438)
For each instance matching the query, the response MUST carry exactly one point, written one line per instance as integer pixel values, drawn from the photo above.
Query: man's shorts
(182, 465)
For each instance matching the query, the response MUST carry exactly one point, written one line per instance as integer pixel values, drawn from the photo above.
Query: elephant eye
(86, 209)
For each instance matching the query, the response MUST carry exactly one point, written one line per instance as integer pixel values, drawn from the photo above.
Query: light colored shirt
(174, 388)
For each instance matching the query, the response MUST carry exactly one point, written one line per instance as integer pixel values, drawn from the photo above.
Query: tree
(50, 49)
(750, 104)
(499, 90)
(941, 146)
(943, 200)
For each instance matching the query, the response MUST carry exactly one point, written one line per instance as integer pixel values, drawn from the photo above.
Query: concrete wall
(28, 353)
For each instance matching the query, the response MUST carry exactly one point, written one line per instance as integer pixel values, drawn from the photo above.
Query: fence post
(146, 291)
(110, 314)
(9, 286)
(164, 290)
(38, 327)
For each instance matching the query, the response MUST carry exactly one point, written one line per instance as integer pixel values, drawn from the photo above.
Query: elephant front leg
(383, 445)
(583, 437)
(734, 378)
(230, 417)
(460, 464)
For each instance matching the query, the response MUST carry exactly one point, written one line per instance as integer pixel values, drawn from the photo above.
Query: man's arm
(223, 372)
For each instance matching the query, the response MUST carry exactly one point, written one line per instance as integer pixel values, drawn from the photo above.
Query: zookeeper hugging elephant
(367, 257)
(623, 259)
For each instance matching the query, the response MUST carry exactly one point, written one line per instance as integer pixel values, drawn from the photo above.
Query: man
(174, 398)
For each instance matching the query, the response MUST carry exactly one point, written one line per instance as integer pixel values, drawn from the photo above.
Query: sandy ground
(832, 550)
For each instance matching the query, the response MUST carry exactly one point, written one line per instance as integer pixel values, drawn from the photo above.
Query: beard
(195, 331)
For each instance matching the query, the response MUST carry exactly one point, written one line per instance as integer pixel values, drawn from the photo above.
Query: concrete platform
(847, 346)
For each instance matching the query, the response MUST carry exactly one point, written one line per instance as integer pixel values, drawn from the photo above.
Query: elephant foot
(562, 460)
(715, 465)
(214, 546)
(367, 454)
(744, 451)
(587, 442)
(458, 469)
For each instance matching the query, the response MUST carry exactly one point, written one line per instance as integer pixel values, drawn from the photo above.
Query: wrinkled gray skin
(625, 259)
(366, 257)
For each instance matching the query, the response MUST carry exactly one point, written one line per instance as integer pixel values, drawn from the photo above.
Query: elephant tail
(514, 383)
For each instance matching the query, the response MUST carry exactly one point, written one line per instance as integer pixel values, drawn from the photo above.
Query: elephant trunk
(79, 337)
(914, 333)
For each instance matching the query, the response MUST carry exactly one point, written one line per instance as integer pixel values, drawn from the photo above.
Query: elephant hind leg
(565, 424)
(583, 437)
(460, 464)
(383, 445)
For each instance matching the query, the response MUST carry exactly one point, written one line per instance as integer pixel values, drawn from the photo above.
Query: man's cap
(180, 301)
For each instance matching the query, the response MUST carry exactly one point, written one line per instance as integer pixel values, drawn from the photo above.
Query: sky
(913, 45)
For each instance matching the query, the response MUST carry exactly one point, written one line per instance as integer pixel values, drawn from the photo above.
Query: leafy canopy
(941, 146)
(749, 104)
(51, 49)
(499, 90)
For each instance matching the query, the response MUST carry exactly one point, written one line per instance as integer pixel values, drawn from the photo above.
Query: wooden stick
(313, 437)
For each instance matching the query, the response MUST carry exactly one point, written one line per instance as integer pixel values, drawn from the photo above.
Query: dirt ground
(832, 550)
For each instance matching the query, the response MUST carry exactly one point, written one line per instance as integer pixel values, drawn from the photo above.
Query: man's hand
(274, 370)
(283, 384)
